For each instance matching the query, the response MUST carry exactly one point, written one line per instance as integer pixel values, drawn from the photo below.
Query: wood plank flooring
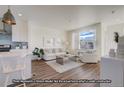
(43, 71)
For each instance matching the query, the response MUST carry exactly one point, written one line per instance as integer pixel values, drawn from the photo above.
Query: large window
(87, 39)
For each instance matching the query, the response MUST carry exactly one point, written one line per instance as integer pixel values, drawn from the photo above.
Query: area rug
(63, 68)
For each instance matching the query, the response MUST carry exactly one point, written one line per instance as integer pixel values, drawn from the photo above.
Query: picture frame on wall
(58, 42)
(48, 42)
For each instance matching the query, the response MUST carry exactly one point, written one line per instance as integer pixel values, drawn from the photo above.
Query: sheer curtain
(75, 41)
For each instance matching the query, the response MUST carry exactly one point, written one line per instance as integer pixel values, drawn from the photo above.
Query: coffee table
(61, 59)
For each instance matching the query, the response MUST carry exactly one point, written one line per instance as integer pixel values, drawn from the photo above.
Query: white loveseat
(88, 57)
(51, 53)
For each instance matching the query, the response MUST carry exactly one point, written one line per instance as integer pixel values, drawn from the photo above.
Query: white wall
(110, 17)
(98, 37)
(37, 33)
(108, 37)
(110, 23)
(57, 19)
(83, 16)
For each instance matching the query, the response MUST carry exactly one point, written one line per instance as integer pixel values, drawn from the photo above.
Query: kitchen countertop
(113, 58)
(15, 54)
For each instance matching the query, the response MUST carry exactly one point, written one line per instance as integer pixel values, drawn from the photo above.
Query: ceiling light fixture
(8, 18)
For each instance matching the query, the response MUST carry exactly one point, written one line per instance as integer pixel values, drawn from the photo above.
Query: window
(87, 39)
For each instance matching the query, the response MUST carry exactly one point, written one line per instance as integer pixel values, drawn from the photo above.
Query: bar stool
(12, 64)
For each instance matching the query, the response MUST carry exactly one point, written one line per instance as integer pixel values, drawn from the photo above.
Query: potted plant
(41, 51)
(112, 52)
(116, 37)
(38, 52)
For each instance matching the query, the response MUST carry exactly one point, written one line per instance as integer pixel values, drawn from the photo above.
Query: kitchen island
(21, 53)
(112, 68)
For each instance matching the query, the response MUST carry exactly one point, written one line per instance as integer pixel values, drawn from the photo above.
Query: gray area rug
(68, 65)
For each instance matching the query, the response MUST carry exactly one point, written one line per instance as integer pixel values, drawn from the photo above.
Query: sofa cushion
(60, 50)
(50, 54)
(57, 50)
(47, 51)
(60, 53)
(53, 51)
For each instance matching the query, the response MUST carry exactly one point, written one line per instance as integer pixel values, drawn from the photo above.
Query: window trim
(94, 40)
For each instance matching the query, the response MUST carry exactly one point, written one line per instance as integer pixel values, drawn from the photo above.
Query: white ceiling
(60, 17)
(57, 17)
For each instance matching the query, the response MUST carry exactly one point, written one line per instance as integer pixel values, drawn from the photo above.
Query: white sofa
(86, 56)
(89, 58)
(51, 53)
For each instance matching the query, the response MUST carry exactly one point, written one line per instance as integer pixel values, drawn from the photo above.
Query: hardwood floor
(43, 71)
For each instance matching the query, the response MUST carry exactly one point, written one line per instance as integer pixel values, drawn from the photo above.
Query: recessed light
(19, 14)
